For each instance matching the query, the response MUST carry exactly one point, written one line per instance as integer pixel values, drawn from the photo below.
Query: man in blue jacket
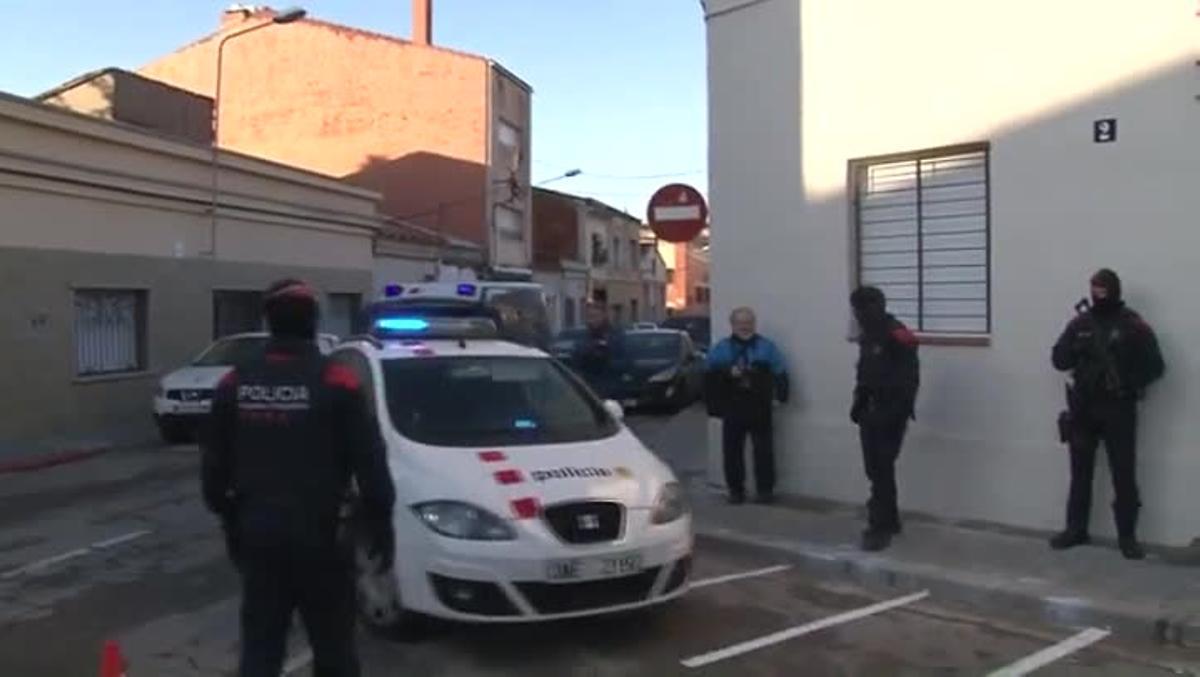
(746, 373)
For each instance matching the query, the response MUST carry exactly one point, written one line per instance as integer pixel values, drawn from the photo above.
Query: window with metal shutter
(923, 237)
(109, 331)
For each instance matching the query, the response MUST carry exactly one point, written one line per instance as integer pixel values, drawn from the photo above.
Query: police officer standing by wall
(746, 372)
(885, 395)
(1113, 356)
(288, 432)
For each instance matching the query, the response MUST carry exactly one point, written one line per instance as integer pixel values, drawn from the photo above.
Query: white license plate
(587, 568)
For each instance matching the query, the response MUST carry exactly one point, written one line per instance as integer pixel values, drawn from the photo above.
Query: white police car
(520, 495)
(184, 396)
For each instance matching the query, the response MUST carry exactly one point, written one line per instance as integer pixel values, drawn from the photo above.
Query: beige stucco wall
(834, 81)
(89, 204)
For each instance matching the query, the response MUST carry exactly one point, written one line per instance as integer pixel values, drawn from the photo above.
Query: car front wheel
(378, 596)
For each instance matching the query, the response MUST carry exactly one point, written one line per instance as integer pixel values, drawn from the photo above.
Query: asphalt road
(119, 547)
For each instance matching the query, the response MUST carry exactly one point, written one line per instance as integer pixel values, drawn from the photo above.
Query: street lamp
(569, 174)
(285, 17)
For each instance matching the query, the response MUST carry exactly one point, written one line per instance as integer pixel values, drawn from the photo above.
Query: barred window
(923, 236)
(110, 331)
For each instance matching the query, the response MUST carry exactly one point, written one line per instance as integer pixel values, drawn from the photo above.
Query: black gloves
(233, 540)
(859, 408)
(381, 543)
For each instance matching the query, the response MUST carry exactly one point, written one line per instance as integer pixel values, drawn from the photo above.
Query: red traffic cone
(112, 664)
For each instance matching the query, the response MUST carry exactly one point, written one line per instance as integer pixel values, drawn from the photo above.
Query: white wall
(1030, 77)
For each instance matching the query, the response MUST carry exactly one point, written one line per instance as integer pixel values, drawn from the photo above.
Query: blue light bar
(524, 424)
(391, 291)
(467, 289)
(402, 324)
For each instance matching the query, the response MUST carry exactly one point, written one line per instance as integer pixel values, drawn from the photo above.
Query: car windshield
(491, 401)
(567, 341)
(230, 351)
(522, 313)
(653, 346)
(698, 328)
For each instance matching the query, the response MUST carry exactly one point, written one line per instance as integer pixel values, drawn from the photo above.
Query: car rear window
(491, 401)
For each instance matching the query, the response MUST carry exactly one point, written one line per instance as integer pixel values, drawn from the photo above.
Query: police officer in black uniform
(600, 357)
(885, 396)
(1113, 356)
(288, 432)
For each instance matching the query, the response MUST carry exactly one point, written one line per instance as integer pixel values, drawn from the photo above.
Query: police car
(184, 396)
(520, 495)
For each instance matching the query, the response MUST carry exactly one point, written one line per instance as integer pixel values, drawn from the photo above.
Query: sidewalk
(978, 571)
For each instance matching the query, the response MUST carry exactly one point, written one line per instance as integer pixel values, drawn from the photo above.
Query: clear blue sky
(619, 85)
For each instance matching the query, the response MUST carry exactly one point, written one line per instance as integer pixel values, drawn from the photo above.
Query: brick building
(442, 135)
(688, 284)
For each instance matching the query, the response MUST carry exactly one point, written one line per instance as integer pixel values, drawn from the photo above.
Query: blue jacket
(727, 353)
(746, 397)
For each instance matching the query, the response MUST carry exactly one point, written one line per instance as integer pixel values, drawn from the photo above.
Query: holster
(1065, 423)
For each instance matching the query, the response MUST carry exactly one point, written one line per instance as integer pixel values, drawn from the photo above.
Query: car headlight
(463, 520)
(671, 504)
(665, 375)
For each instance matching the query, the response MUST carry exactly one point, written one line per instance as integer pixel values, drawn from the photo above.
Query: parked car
(662, 369)
(184, 396)
(563, 346)
(698, 327)
(643, 326)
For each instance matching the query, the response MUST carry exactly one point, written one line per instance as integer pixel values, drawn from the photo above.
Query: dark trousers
(733, 445)
(881, 444)
(1114, 424)
(316, 581)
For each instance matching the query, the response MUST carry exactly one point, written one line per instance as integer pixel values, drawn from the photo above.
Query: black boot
(874, 540)
(1131, 549)
(1069, 539)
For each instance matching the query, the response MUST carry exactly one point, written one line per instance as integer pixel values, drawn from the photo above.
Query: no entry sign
(677, 213)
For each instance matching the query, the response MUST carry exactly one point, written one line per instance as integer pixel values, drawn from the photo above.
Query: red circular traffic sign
(677, 213)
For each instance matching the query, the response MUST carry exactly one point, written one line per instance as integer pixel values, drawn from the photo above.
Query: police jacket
(888, 374)
(288, 432)
(600, 359)
(743, 377)
(1112, 356)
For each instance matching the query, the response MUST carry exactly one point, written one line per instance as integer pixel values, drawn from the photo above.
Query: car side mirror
(615, 409)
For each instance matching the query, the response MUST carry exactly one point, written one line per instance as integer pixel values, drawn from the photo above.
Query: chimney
(422, 22)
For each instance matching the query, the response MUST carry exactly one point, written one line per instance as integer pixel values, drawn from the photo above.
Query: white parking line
(705, 582)
(791, 633)
(298, 662)
(78, 552)
(1050, 654)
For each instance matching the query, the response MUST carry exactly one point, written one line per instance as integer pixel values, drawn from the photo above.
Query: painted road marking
(298, 662)
(791, 633)
(1050, 654)
(705, 582)
(78, 552)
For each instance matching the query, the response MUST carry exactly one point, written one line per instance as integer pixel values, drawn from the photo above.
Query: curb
(974, 593)
(43, 461)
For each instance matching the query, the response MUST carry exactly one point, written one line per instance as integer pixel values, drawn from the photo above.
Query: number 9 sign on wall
(677, 213)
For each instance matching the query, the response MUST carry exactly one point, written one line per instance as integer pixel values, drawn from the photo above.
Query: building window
(341, 315)
(236, 312)
(923, 234)
(110, 331)
(670, 276)
(509, 136)
(568, 313)
(508, 223)
(618, 314)
(616, 252)
(633, 255)
(599, 253)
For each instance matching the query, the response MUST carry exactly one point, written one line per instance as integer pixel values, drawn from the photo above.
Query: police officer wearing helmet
(885, 394)
(289, 431)
(1113, 355)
